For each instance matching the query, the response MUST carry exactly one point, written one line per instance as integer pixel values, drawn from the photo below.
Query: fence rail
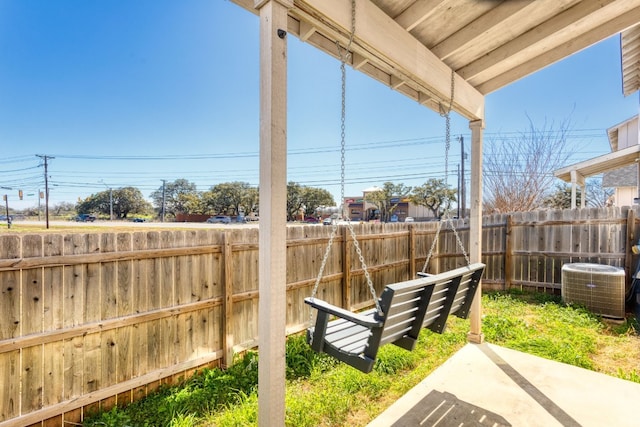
(93, 320)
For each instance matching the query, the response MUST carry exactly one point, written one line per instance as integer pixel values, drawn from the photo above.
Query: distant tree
(252, 201)
(95, 203)
(193, 203)
(518, 171)
(304, 200)
(434, 194)
(32, 211)
(597, 195)
(62, 208)
(126, 200)
(561, 197)
(388, 198)
(129, 200)
(295, 200)
(230, 198)
(178, 197)
(313, 198)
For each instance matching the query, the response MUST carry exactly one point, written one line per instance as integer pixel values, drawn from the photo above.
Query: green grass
(321, 391)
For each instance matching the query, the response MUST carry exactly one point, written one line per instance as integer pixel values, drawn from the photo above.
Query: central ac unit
(600, 288)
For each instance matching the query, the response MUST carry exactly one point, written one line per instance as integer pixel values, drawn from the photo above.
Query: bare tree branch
(518, 172)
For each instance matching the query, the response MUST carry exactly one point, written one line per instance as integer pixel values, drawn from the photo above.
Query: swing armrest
(360, 319)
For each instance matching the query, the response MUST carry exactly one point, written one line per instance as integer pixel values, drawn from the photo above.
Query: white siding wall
(628, 134)
(624, 196)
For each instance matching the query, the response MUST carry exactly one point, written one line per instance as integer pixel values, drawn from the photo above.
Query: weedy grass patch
(323, 392)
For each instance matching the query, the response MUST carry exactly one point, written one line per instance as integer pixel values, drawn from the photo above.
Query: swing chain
(433, 246)
(367, 276)
(334, 228)
(446, 218)
(460, 245)
(447, 138)
(345, 55)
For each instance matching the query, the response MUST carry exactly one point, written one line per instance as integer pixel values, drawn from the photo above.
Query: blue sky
(128, 93)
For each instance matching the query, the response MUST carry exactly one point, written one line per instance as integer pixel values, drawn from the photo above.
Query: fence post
(227, 320)
(412, 251)
(631, 240)
(346, 270)
(508, 257)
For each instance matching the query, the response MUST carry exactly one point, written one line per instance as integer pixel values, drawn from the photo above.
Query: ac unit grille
(600, 288)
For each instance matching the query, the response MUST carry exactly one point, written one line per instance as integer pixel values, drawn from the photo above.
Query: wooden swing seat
(407, 307)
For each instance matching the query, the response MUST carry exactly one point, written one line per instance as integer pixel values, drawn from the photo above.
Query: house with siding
(620, 168)
(623, 180)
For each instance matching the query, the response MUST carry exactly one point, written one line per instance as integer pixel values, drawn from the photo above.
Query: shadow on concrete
(445, 409)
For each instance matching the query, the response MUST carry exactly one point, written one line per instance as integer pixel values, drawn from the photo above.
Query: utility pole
(463, 194)
(45, 159)
(110, 200)
(164, 199)
(459, 189)
(6, 201)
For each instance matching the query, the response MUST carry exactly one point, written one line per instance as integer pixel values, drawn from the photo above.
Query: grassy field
(323, 392)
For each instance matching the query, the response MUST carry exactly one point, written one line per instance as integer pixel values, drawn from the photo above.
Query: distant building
(620, 168)
(359, 209)
(623, 180)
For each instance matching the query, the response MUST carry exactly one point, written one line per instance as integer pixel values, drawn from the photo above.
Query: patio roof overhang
(414, 47)
(617, 159)
(630, 48)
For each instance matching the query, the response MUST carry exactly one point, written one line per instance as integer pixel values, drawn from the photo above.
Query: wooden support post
(508, 256)
(272, 256)
(577, 180)
(346, 268)
(475, 226)
(227, 338)
(412, 251)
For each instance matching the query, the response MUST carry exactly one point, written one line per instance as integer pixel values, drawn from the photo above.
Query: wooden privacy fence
(88, 321)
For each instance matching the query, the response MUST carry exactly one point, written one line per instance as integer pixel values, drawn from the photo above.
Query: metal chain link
(447, 138)
(345, 55)
(459, 241)
(433, 246)
(447, 145)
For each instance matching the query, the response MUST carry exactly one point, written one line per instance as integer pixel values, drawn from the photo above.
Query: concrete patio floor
(490, 385)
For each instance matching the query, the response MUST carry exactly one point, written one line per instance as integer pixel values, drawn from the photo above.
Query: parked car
(85, 218)
(327, 221)
(409, 219)
(138, 220)
(219, 219)
(311, 220)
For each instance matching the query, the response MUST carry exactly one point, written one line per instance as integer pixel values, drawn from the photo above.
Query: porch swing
(403, 308)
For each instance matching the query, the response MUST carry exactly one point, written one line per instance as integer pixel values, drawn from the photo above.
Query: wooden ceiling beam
(495, 28)
(418, 13)
(560, 30)
(494, 20)
(388, 46)
(595, 35)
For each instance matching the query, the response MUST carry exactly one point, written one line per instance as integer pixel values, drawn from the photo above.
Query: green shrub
(113, 418)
